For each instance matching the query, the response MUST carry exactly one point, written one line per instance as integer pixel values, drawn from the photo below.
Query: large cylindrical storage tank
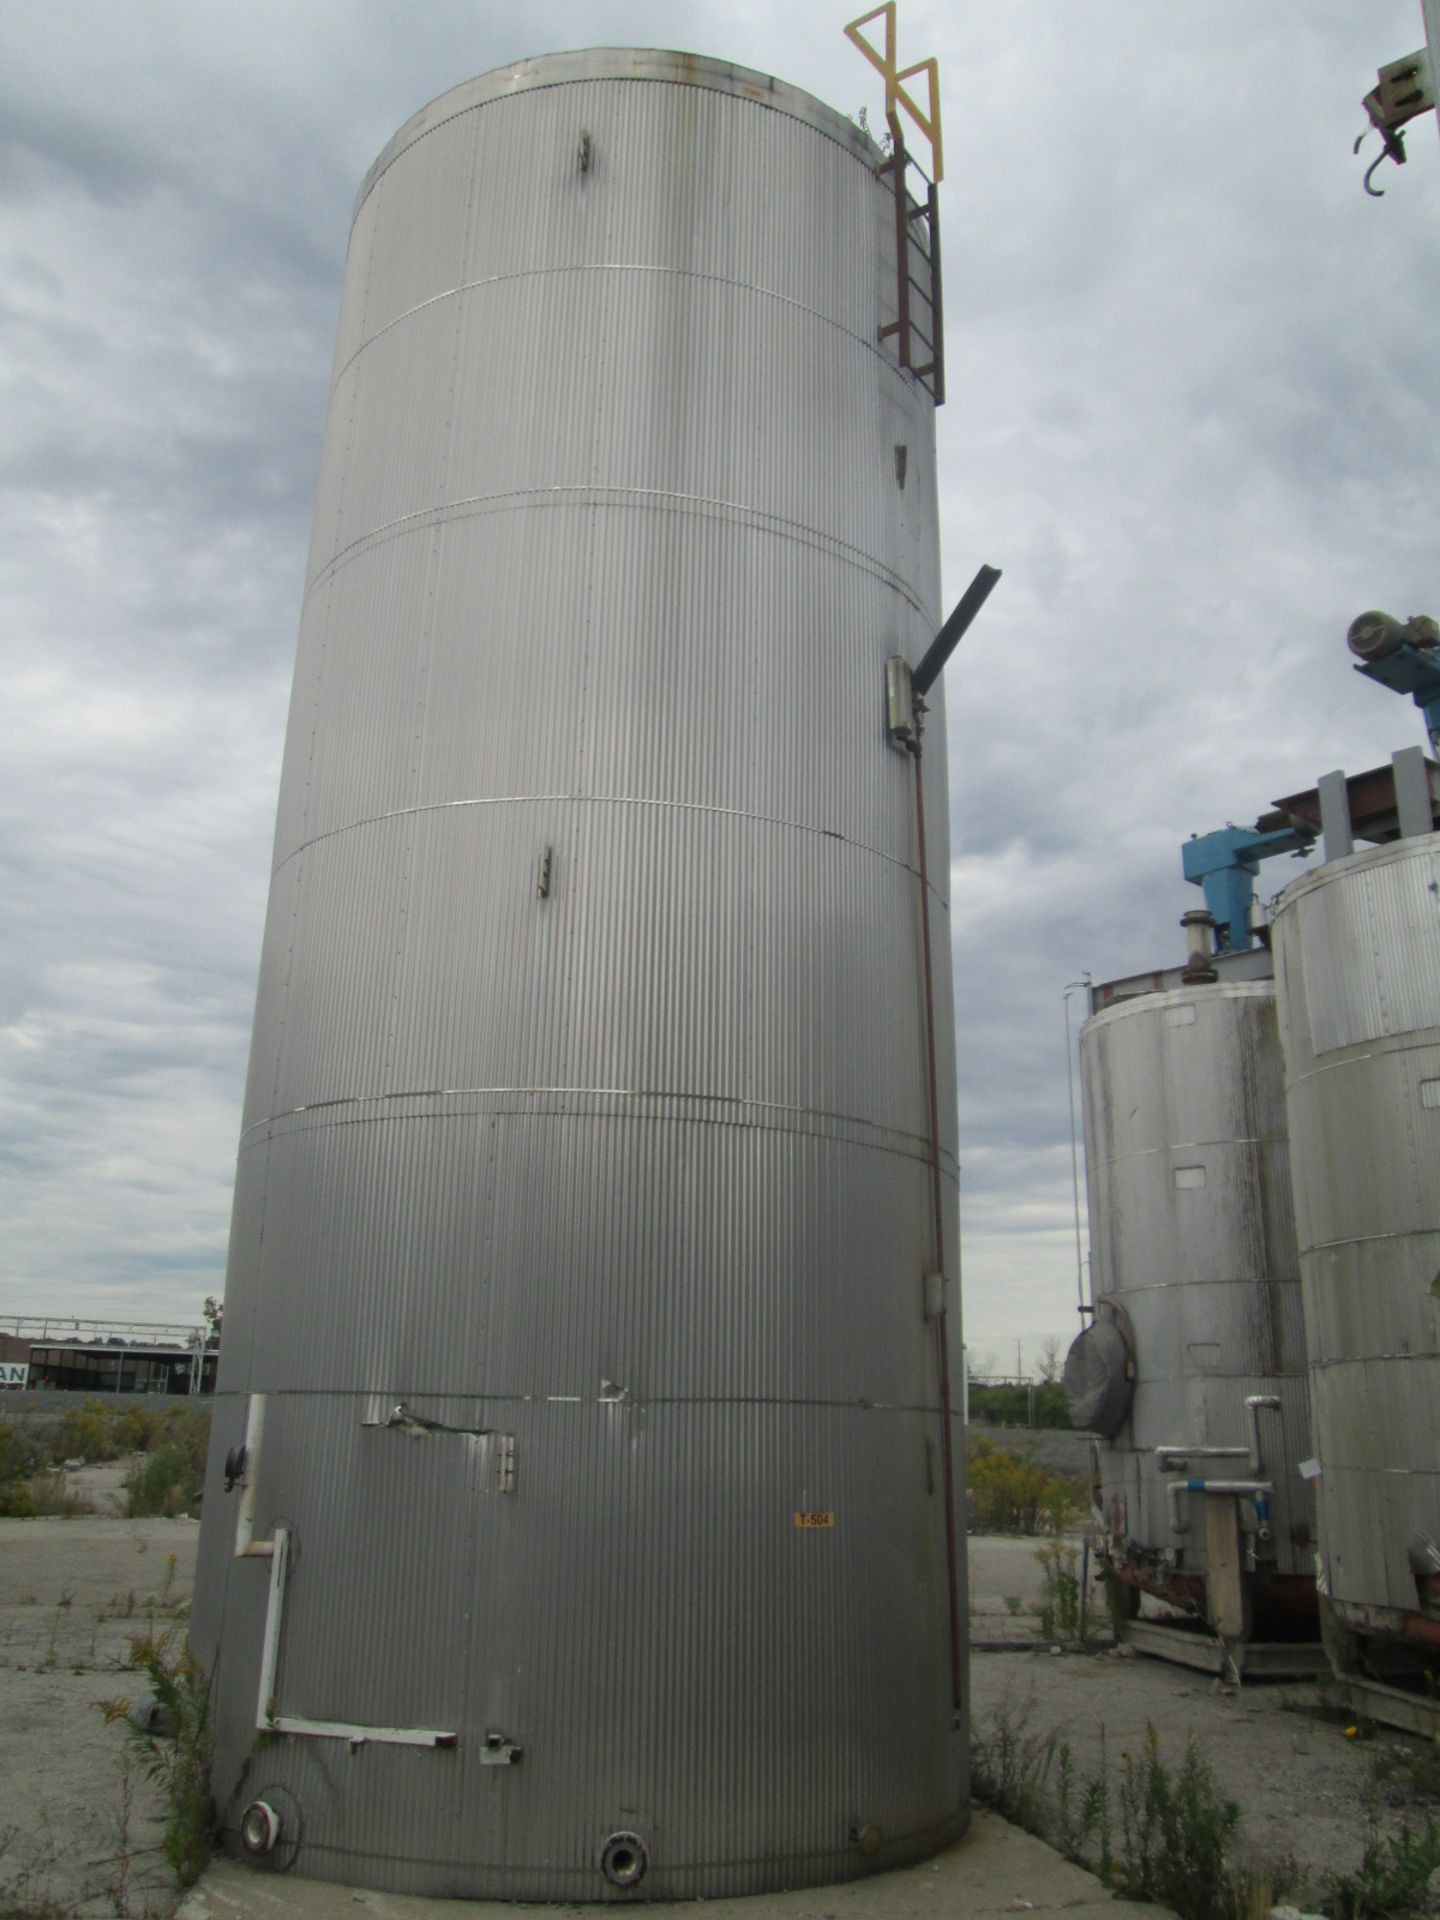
(1197, 1296)
(1357, 945)
(589, 1538)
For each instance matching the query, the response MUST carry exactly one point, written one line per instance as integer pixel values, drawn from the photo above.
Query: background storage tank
(1357, 946)
(581, 1400)
(1194, 1367)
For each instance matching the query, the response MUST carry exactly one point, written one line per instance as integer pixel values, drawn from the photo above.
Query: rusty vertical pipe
(947, 1443)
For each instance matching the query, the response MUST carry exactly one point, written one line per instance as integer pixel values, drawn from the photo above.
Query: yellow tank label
(814, 1519)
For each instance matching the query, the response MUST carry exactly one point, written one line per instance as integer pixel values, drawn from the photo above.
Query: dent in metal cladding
(1357, 946)
(1192, 1233)
(631, 1173)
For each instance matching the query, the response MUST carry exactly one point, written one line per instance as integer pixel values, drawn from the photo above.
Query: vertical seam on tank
(297, 888)
(580, 773)
(342, 483)
(479, 1601)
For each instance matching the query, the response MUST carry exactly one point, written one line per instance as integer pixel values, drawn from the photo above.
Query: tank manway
(582, 1515)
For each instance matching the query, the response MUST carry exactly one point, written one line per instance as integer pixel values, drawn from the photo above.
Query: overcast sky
(1192, 414)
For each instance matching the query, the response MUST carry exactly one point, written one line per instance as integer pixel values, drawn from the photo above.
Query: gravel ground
(79, 1822)
(1308, 1793)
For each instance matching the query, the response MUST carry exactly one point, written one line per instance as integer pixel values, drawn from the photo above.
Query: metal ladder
(919, 328)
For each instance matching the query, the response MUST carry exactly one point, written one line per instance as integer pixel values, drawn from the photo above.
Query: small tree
(214, 1312)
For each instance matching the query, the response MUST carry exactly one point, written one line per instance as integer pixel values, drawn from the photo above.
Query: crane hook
(1393, 148)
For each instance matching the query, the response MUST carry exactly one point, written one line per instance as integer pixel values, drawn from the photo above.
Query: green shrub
(1009, 1494)
(1060, 1595)
(1043, 1405)
(91, 1432)
(1176, 1829)
(1010, 1764)
(139, 1427)
(173, 1746)
(169, 1478)
(51, 1498)
(19, 1459)
(1393, 1876)
(19, 1456)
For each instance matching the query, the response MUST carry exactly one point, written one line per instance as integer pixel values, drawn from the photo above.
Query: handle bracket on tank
(906, 686)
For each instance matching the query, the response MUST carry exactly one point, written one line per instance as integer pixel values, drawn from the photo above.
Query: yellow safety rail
(887, 64)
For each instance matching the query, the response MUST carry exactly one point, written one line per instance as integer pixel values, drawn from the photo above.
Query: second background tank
(1193, 1371)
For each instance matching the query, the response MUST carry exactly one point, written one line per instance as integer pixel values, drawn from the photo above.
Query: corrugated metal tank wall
(1192, 1235)
(1357, 947)
(588, 1101)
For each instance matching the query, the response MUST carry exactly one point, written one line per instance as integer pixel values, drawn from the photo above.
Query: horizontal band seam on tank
(914, 1145)
(1366, 1360)
(608, 800)
(1110, 1165)
(1384, 1046)
(382, 165)
(1152, 1291)
(1185, 1146)
(1396, 853)
(1333, 1467)
(1194, 1286)
(749, 519)
(1364, 1239)
(617, 266)
(470, 1395)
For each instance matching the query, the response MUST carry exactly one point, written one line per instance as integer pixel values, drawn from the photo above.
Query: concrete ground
(79, 1816)
(995, 1869)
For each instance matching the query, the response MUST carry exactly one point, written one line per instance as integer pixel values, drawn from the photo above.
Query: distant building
(14, 1356)
(109, 1366)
